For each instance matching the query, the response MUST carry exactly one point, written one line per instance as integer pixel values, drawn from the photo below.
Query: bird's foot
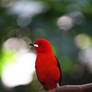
(57, 88)
(40, 89)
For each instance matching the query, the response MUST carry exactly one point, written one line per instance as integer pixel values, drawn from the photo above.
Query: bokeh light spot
(65, 23)
(83, 41)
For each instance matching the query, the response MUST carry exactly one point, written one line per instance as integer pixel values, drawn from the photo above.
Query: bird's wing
(58, 64)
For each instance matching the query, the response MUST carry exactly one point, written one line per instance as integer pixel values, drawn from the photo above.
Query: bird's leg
(41, 89)
(57, 88)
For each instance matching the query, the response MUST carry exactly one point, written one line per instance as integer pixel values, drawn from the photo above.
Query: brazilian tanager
(48, 69)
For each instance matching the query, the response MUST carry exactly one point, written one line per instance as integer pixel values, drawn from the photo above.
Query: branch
(73, 88)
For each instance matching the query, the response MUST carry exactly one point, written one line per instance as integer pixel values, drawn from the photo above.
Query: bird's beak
(33, 45)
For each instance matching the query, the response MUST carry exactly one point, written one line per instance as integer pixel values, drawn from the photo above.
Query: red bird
(47, 66)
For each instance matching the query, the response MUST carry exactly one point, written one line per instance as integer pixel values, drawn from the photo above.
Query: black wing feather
(58, 64)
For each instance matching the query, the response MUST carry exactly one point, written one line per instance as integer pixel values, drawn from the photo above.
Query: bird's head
(42, 46)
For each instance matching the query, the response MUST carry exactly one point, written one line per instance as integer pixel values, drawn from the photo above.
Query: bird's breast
(46, 68)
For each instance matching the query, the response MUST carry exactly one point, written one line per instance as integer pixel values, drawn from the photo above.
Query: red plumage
(47, 67)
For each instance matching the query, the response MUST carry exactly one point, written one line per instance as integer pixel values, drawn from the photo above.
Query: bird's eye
(40, 43)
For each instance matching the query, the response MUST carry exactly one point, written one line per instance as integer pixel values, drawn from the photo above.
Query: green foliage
(68, 64)
(6, 57)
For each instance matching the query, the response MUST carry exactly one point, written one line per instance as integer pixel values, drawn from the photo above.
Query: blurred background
(67, 24)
